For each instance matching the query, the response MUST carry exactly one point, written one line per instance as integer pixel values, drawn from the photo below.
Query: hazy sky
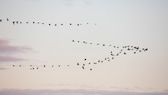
(140, 23)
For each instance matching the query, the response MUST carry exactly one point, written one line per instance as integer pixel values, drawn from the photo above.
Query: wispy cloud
(7, 50)
(5, 47)
(74, 92)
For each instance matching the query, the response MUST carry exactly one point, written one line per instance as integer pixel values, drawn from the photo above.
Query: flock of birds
(122, 50)
(42, 23)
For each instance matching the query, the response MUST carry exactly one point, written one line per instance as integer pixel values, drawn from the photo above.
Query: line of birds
(122, 50)
(42, 23)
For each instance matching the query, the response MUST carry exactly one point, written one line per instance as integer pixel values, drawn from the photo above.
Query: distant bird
(55, 24)
(70, 24)
(103, 44)
(44, 66)
(73, 40)
(20, 65)
(42, 23)
(49, 24)
(59, 65)
(38, 22)
(27, 22)
(33, 22)
(91, 69)
(13, 65)
(85, 59)
(52, 66)
(61, 24)
(83, 67)
(124, 53)
(134, 52)
(77, 24)
(0, 20)
(13, 22)
(17, 22)
(78, 64)
(20, 22)
(87, 23)
(7, 19)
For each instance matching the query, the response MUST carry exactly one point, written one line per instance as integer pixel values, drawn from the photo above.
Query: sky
(53, 42)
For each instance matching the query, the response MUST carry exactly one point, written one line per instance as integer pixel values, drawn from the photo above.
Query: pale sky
(119, 23)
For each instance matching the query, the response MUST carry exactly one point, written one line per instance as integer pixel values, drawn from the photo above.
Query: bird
(55, 24)
(61, 24)
(33, 22)
(13, 22)
(70, 24)
(73, 40)
(52, 66)
(49, 24)
(13, 65)
(0, 20)
(83, 67)
(7, 19)
(77, 24)
(59, 65)
(85, 59)
(90, 69)
(77, 63)
(27, 22)
(44, 66)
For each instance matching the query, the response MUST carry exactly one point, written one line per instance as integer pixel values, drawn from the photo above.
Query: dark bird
(85, 59)
(17, 22)
(103, 44)
(61, 24)
(44, 66)
(91, 69)
(52, 66)
(70, 24)
(27, 22)
(7, 19)
(49, 24)
(37, 68)
(134, 52)
(20, 22)
(87, 23)
(55, 24)
(20, 65)
(13, 22)
(77, 24)
(59, 65)
(33, 22)
(73, 40)
(78, 64)
(124, 53)
(13, 65)
(112, 58)
(0, 20)
(83, 67)
(42, 23)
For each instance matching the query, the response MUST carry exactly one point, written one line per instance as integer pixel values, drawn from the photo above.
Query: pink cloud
(74, 92)
(7, 50)
(9, 59)
(5, 47)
